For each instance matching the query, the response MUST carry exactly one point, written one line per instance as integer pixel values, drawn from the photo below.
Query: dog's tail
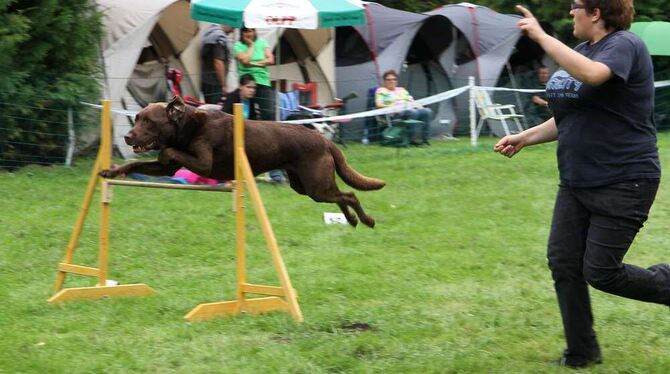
(351, 176)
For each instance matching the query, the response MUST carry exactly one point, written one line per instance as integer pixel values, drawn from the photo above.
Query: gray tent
(433, 52)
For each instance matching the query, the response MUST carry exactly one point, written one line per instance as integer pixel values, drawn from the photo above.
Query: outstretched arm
(512, 144)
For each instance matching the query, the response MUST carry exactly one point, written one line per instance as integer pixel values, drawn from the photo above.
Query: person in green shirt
(253, 55)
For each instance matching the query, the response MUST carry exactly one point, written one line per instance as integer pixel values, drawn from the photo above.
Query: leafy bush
(49, 51)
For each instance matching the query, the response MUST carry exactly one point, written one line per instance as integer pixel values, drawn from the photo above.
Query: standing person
(244, 94)
(602, 98)
(390, 94)
(215, 60)
(253, 56)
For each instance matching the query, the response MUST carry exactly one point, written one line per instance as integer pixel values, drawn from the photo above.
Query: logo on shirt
(562, 85)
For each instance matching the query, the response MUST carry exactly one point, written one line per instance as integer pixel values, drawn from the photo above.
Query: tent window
(464, 52)
(430, 41)
(285, 54)
(350, 48)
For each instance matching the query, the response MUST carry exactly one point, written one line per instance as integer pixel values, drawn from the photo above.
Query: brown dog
(202, 141)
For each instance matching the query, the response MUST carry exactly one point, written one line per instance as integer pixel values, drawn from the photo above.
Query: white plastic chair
(487, 109)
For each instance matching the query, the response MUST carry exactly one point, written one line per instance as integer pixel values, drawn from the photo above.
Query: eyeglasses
(391, 79)
(574, 6)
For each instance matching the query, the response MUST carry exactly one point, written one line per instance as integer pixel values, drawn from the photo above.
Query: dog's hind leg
(320, 185)
(297, 186)
(352, 201)
(295, 183)
(344, 200)
(351, 218)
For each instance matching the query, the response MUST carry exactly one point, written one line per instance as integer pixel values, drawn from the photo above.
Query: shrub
(49, 51)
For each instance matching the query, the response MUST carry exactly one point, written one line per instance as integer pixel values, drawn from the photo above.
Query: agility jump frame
(275, 298)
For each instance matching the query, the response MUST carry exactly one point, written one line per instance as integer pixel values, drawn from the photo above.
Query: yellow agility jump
(281, 297)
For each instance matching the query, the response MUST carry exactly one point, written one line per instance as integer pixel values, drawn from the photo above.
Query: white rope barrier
(390, 110)
(522, 90)
(117, 111)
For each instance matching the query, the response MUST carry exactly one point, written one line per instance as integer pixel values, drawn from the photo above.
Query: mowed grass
(452, 280)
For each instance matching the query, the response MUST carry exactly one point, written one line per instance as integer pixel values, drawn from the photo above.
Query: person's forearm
(269, 60)
(542, 133)
(263, 63)
(245, 57)
(220, 69)
(579, 66)
(539, 101)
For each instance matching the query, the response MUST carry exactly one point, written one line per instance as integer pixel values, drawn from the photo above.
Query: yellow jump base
(277, 298)
(93, 293)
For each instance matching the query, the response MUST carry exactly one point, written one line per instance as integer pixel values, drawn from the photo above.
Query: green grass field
(452, 280)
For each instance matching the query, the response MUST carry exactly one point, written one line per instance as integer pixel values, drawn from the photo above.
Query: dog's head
(158, 125)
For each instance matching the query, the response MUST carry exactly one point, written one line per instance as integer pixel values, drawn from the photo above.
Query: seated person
(538, 108)
(391, 95)
(245, 95)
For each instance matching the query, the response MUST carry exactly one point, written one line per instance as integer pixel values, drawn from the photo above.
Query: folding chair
(390, 131)
(308, 94)
(498, 112)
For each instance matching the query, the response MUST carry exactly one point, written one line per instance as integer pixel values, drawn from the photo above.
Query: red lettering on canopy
(280, 20)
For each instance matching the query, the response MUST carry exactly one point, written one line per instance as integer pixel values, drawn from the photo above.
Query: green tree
(49, 55)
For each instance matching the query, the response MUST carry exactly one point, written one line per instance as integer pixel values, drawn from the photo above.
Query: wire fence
(52, 133)
(43, 135)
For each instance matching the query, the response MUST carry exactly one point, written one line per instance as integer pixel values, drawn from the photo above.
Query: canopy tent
(304, 56)
(297, 14)
(655, 36)
(141, 39)
(433, 52)
(306, 51)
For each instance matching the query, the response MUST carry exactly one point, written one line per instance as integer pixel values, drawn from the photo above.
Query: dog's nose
(129, 137)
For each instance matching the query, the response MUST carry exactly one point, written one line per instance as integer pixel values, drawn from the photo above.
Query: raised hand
(529, 24)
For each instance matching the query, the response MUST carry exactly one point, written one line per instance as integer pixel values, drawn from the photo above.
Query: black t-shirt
(215, 46)
(607, 134)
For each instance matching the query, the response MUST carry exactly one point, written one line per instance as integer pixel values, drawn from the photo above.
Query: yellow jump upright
(281, 297)
(276, 298)
(101, 289)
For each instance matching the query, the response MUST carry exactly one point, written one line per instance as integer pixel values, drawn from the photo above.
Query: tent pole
(278, 62)
(473, 115)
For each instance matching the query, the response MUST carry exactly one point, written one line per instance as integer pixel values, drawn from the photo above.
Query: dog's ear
(176, 110)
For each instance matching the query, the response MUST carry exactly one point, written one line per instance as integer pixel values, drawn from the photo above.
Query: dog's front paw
(114, 172)
(108, 173)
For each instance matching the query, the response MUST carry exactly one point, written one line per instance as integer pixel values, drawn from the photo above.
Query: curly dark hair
(617, 14)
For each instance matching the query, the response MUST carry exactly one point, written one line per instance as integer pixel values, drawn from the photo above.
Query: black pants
(591, 232)
(212, 93)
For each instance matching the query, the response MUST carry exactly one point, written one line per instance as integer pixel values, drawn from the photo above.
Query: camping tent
(303, 56)
(433, 52)
(143, 38)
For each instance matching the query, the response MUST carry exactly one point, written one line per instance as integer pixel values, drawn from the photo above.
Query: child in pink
(193, 178)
